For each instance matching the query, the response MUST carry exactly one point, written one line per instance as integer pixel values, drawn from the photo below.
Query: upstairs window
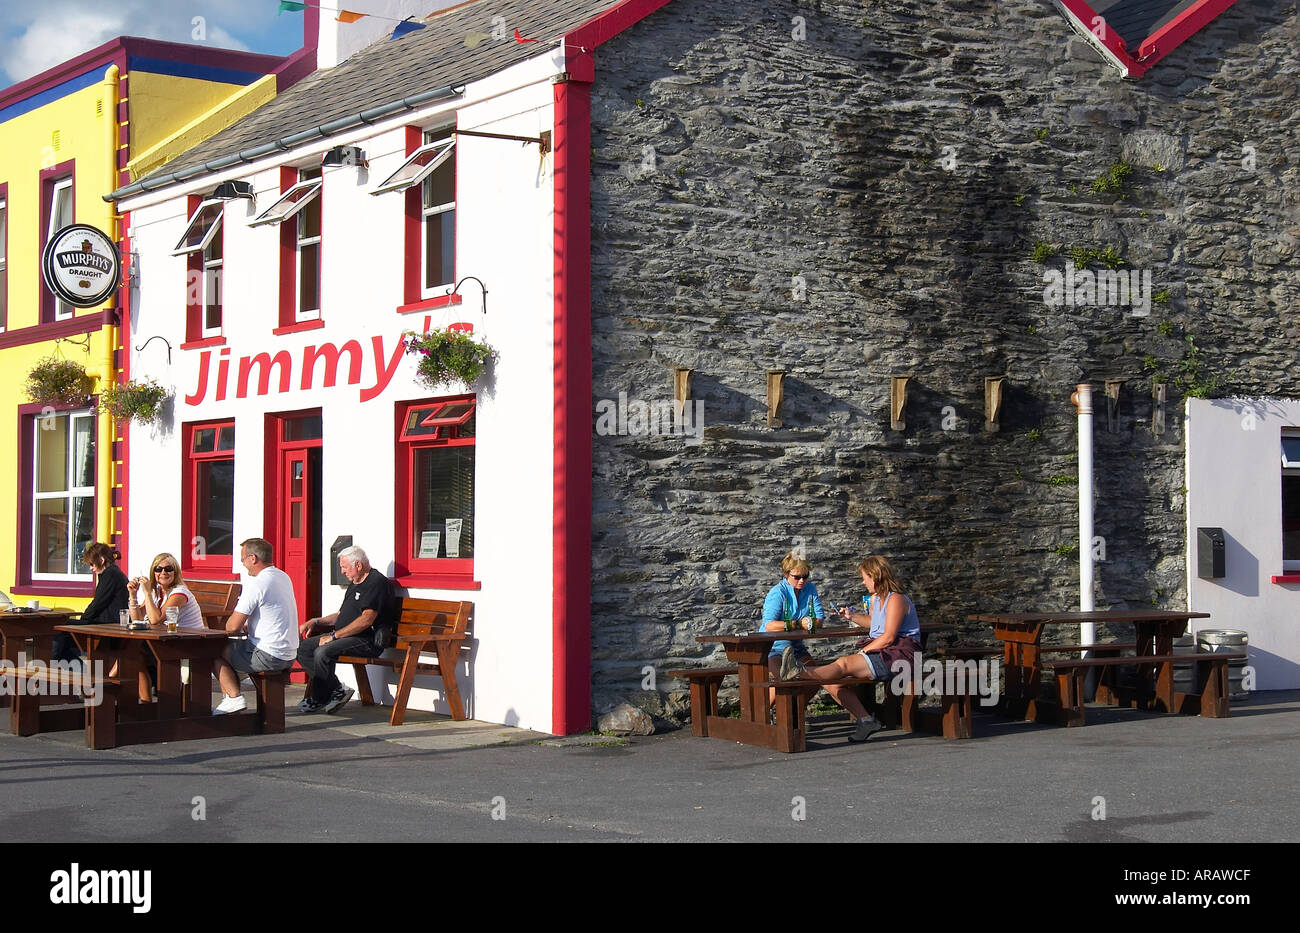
(300, 246)
(4, 259)
(202, 244)
(428, 178)
(59, 213)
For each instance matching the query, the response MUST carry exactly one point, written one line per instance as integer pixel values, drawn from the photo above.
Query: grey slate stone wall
(731, 158)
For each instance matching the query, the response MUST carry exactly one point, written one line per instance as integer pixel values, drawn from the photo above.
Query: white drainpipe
(1082, 399)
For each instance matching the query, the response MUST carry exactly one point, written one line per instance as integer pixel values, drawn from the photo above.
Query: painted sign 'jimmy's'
(315, 358)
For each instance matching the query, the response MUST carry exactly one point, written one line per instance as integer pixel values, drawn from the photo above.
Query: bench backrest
(216, 600)
(432, 616)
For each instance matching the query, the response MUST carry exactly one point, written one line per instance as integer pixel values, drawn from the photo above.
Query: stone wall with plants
(849, 191)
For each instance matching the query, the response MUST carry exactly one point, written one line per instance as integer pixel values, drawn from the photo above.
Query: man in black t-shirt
(368, 612)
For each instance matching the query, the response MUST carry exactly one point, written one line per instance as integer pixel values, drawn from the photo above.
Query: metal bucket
(1226, 640)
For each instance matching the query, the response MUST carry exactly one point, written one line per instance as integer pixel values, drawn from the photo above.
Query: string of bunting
(404, 26)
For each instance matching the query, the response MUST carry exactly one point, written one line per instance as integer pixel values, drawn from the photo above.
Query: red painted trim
(405, 563)
(440, 301)
(571, 551)
(49, 177)
(295, 328)
(217, 564)
(1084, 14)
(210, 576)
(193, 296)
(1191, 21)
(1286, 578)
(599, 30)
(424, 581)
(411, 233)
(301, 63)
(204, 342)
(288, 254)
(125, 334)
(40, 333)
(71, 590)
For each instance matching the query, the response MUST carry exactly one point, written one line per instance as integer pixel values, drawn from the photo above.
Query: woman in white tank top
(165, 588)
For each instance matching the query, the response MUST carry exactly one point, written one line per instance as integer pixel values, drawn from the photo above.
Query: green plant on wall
(1193, 381)
(1043, 252)
(448, 356)
(1114, 180)
(56, 381)
(141, 402)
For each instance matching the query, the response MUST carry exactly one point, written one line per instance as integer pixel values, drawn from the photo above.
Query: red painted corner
(571, 592)
(1195, 18)
(1286, 578)
(580, 42)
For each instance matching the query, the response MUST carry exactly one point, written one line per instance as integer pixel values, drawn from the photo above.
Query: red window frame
(431, 571)
(4, 251)
(207, 564)
(48, 179)
(196, 298)
(290, 260)
(413, 246)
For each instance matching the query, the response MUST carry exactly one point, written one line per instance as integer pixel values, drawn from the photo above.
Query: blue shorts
(778, 648)
(877, 663)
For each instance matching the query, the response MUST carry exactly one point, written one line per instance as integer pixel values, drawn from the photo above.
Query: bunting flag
(404, 28)
(291, 6)
(347, 16)
(472, 39)
(519, 38)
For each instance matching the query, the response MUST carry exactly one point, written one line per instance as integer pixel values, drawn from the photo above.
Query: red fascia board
(1084, 14)
(204, 55)
(580, 42)
(112, 52)
(1191, 21)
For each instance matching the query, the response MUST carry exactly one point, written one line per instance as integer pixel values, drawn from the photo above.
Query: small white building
(282, 260)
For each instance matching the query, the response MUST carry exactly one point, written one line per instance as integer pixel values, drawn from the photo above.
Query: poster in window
(429, 543)
(453, 536)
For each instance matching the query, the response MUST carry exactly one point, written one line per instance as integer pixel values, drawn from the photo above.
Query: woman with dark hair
(109, 600)
(895, 634)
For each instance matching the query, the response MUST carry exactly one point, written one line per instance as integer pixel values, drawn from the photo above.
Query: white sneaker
(230, 705)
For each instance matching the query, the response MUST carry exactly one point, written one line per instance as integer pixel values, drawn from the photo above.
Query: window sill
(203, 574)
(303, 325)
(426, 304)
(217, 341)
(432, 581)
(1293, 577)
(52, 588)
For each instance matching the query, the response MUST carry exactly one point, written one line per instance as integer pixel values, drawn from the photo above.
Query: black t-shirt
(110, 597)
(374, 592)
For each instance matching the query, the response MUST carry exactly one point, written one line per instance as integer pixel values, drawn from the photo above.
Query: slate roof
(389, 70)
(1134, 20)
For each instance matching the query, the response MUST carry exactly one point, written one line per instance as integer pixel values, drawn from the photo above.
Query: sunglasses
(164, 570)
(799, 576)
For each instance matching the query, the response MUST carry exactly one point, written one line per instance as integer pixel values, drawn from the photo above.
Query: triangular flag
(472, 39)
(347, 16)
(291, 6)
(519, 38)
(405, 27)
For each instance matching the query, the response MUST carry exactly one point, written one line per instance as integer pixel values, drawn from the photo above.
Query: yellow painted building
(69, 136)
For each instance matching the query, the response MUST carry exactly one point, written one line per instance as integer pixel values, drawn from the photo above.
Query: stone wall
(865, 201)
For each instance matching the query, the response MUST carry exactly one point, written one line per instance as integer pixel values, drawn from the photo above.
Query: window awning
(290, 203)
(422, 163)
(426, 422)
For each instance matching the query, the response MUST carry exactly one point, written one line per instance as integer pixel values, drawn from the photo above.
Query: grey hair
(356, 555)
(259, 548)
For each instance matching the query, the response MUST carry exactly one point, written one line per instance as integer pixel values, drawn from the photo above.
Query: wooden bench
(216, 600)
(704, 682)
(1212, 682)
(435, 625)
(26, 717)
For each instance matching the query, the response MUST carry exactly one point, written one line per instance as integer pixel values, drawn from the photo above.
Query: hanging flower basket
(55, 381)
(141, 402)
(448, 356)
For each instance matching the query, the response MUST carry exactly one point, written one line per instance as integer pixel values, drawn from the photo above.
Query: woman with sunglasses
(164, 589)
(792, 604)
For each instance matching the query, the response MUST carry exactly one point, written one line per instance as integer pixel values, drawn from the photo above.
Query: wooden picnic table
(17, 628)
(1021, 635)
(121, 719)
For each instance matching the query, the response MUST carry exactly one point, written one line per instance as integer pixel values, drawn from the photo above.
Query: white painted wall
(504, 237)
(1234, 482)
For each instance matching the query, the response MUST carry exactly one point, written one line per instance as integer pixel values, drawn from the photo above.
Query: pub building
(819, 231)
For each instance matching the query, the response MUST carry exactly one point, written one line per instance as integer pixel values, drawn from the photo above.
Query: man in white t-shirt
(268, 614)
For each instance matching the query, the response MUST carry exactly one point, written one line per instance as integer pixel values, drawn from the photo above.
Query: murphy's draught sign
(81, 265)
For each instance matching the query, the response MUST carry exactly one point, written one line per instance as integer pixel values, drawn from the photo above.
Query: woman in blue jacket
(791, 605)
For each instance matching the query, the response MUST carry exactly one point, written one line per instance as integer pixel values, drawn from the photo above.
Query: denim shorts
(249, 660)
(877, 663)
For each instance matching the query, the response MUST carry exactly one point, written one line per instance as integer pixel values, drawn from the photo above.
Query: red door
(294, 504)
(296, 523)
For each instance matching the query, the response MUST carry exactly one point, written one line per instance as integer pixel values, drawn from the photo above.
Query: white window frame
(399, 182)
(290, 203)
(4, 264)
(68, 495)
(181, 248)
(301, 314)
(428, 213)
(62, 310)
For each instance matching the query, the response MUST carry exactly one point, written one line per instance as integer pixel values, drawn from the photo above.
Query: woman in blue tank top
(895, 634)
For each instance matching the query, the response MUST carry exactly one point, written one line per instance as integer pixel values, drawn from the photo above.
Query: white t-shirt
(267, 600)
(191, 616)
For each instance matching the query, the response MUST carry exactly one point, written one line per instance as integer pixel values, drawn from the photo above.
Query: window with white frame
(4, 264)
(63, 493)
(1291, 501)
(61, 214)
(302, 204)
(202, 244)
(433, 168)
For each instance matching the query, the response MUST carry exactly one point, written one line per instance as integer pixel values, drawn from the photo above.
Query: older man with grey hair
(361, 627)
